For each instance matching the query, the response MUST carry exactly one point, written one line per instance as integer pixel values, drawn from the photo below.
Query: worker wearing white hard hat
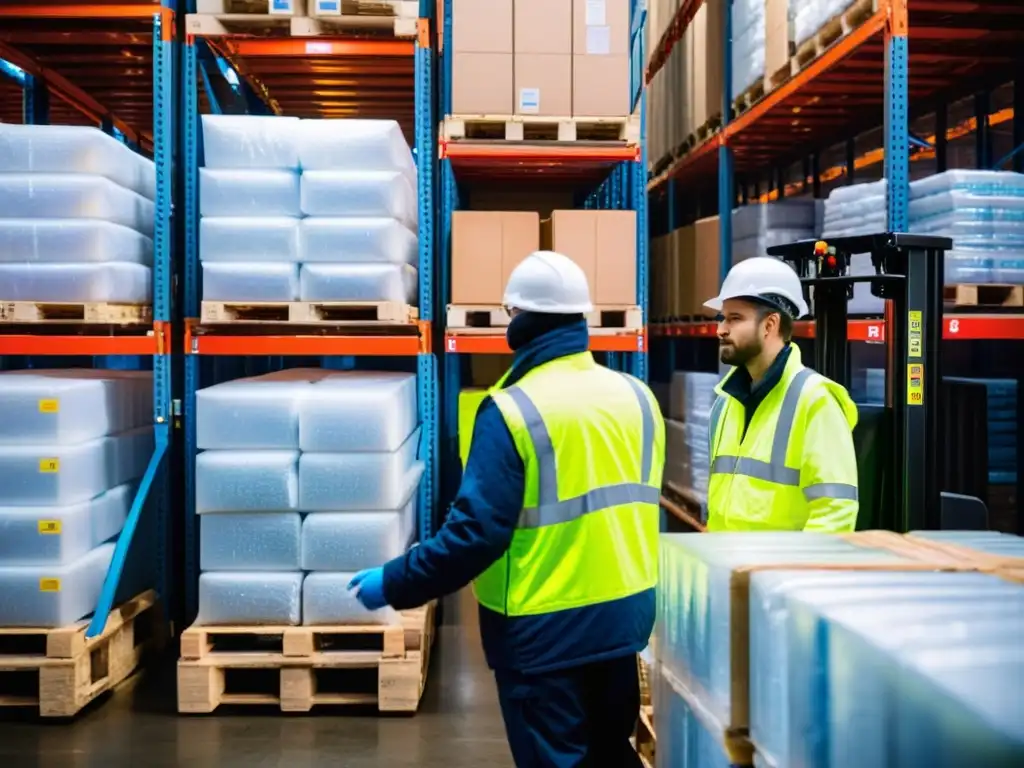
(556, 524)
(781, 450)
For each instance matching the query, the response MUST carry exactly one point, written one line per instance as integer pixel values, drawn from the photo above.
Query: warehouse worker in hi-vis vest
(782, 456)
(556, 524)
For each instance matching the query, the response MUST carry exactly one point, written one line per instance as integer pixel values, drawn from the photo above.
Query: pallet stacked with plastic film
(76, 226)
(303, 18)
(304, 220)
(744, 661)
(73, 446)
(691, 396)
(305, 477)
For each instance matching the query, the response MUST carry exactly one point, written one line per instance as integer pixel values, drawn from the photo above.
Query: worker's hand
(369, 588)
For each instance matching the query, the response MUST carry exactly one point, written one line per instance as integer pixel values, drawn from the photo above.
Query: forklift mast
(909, 276)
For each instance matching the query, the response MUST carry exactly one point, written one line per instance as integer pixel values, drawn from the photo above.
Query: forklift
(897, 443)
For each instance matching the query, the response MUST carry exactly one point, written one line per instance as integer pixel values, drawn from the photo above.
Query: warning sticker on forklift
(916, 332)
(915, 384)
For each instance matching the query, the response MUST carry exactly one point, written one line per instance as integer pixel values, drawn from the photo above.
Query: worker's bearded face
(741, 333)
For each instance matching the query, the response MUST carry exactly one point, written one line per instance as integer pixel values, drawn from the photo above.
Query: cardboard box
(481, 26)
(779, 34)
(482, 84)
(543, 84)
(600, 86)
(486, 247)
(542, 26)
(603, 243)
(706, 264)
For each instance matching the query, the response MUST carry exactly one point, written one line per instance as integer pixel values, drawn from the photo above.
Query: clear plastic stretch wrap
(260, 541)
(247, 142)
(61, 535)
(59, 475)
(748, 29)
(360, 194)
(75, 150)
(354, 145)
(809, 16)
(70, 406)
(270, 240)
(358, 282)
(247, 481)
(683, 740)
(111, 282)
(355, 411)
(357, 240)
(52, 595)
(326, 600)
(238, 281)
(255, 193)
(265, 598)
(69, 196)
(70, 241)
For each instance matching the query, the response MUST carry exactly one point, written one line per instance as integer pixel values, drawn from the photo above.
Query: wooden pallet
(477, 316)
(297, 668)
(308, 312)
(60, 670)
(836, 28)
(984, 295)
(748, 98)
(74, 312)
(646, 742)
(537, 128)
(217, 18)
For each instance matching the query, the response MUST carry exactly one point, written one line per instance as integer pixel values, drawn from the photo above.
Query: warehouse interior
(253, 258)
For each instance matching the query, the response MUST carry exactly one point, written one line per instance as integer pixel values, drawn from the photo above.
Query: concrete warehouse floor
(458, 725)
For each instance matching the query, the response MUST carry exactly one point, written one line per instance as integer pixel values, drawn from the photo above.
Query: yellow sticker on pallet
(49, 406)
(49, 585)
(49, 527)
(49, 466)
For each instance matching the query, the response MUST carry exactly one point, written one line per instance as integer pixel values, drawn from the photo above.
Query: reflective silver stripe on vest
(716, 416)
(774, 470)
(551, 511)
(843, 491)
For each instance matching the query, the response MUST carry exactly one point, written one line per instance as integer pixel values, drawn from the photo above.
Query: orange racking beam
(303, 48)
(500, 151)
(306, 345)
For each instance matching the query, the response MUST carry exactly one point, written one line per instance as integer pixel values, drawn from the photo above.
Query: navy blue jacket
(479, 530)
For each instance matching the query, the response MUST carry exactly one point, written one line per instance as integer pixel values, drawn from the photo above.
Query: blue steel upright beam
(725, 159)
(35, 101)
(638, 193)
(897, 126)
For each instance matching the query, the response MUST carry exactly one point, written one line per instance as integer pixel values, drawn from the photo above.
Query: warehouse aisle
(458, 726)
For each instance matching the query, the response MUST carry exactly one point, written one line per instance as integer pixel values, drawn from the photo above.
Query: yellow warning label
(915, 335)
(49, 406)
(49, 466)
(915, 384)
(49, 527)
(49, 585)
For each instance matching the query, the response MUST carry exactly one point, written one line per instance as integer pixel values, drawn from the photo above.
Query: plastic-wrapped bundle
(58, 475)
(272, 239)
(357, 240)
(1001, 545)
(1002, 428)
(239, 281)
(253, 413)
(247, 141)
(867, 385)
(46, 407)
(354, 411)
(67, 241)
(247, 481)
(363, 194)
(75, 150)
(683, 740)
(677, 454)
(233, 192)
(61, 535)
(812, 15)
(326, 600)
(336, 482)
(112, 282)
(358, 282)
(748, 36)
(352, 541)
(52, 595)
(266, 598)
(750, 220)
(692, 395)
(66, 196)
(354, 145)
(258, 541)
(990, 183)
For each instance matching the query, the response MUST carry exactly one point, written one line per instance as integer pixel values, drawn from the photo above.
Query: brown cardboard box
(481, 26)
(603, 243)
(600, 27)
(543, 26)
(482, 84)
(486, 247)
(706, 264)
(713, 65)
(600, 86)
(778, 33)
(543, 84)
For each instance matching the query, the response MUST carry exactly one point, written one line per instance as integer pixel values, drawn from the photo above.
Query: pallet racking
(907, 58)
(111, 66)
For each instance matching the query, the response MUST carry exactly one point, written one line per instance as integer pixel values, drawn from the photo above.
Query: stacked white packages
(809, 16)
(76, 216)
(756, 228)
(312, 210)
(73, 446)
(748, 27)
(691, 396)
(305, 477)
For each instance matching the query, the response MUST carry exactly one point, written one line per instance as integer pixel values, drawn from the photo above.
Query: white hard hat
(762, 277)
(546, 281)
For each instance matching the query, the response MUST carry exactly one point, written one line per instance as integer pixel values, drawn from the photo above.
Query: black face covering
(527, 326)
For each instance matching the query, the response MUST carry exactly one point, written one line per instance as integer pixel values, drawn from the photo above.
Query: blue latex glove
(369, 588)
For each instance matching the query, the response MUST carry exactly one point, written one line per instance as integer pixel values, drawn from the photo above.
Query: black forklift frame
(909, 276)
